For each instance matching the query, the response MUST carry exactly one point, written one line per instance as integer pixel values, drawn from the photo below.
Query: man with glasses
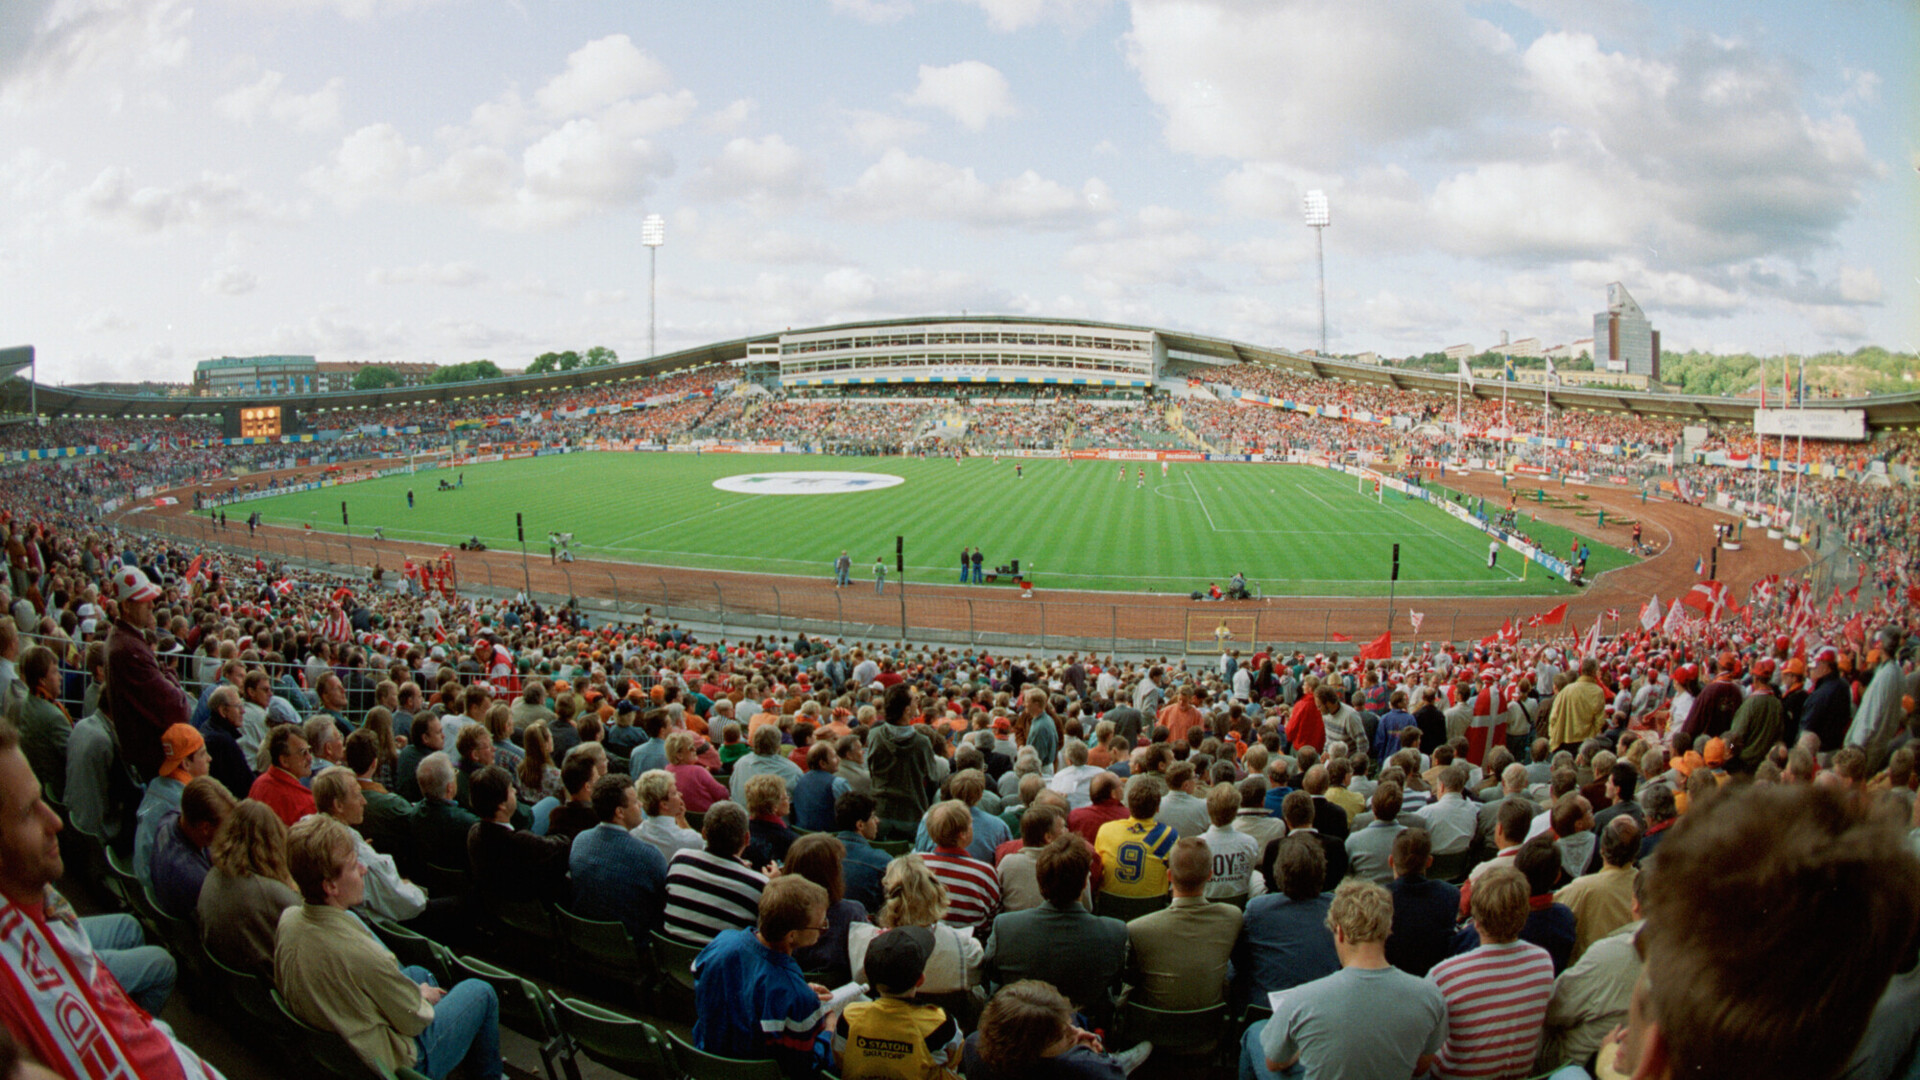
(751, 998)
(280, 787)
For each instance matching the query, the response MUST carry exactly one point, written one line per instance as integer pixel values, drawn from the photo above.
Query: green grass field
(1293, 529)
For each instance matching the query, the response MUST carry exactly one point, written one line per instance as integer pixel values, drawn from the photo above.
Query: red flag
(1913, 595)
(1379, 648)
(1853, 595)
(1832, 602)
(1706, 597)
(193, 568)
(1535, 619)
(1555, 617)
(1613, 614)
(1856, 631)
(1763, 384)
(1337, 636)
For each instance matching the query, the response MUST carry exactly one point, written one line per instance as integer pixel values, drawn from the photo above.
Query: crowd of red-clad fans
(1686, 847)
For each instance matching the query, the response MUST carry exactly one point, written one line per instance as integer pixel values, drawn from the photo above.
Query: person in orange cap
(185, 760)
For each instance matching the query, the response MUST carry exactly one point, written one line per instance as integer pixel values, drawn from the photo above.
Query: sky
(451, 180)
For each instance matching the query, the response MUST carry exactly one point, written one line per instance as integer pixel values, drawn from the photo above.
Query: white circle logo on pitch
(806, 483)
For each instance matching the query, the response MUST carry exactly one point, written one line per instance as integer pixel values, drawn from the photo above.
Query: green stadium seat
(413, 950)
(624, 1044)
(697, 1064)
(1186, 1032)
(527, 1010)
(606, 949)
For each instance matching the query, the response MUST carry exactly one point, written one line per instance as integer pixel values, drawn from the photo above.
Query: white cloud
(875, 11)
(731, 118)
(45, 43)
(318, 111)
(30, 176)
(901, 185)
(520, 167)
(604, 297)
(766, 172)
(105, 320)
(213, 201)
(877, 131)
(726, 237)
(230, 281)
(1158, 246)
(1859, 285)
(454, 275)
(971, 92)
(1314, 82)
(850, 293)
(601, 73)
(1007, 16)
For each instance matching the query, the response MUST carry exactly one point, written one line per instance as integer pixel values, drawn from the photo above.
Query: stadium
(1136, 495)
(894, 540)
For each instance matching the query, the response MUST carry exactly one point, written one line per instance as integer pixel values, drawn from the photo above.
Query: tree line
(381, 377)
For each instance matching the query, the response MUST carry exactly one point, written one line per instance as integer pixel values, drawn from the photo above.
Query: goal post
(1208, 632)
(1369, 486)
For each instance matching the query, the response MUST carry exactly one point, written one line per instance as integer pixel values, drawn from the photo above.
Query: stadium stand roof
(1886, 411)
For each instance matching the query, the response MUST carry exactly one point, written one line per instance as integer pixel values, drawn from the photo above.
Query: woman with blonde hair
(247, 889)
(538, 776)
(697, 785)
(914, 897)
(380, 721)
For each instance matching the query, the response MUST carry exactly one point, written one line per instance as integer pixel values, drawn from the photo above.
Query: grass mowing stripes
(1293, 529)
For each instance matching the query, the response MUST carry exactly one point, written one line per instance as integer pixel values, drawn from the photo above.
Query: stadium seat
(413, 950)
(525, 1009)
(673, 993)
(697, 1064)
(628, 1046)
(895, 848)
(445, 880)
(1190, 1032)
(1452, 867)
(608, 950)
(696, 821)
(334, 1055)
(1127, 908)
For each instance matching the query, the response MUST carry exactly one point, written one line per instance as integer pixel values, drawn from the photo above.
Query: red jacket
(1304, 727)
(286, 796)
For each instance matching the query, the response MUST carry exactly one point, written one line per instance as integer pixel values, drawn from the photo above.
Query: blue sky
(445, 180)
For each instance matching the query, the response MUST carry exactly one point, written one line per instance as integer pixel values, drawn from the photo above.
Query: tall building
(256, 375)
(1623, 339)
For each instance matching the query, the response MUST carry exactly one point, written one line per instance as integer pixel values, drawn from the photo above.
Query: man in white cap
(144, 698)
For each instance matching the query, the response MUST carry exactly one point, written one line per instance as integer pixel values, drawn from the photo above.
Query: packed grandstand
(634, 811)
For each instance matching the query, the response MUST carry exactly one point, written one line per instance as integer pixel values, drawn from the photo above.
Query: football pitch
(1294, 530)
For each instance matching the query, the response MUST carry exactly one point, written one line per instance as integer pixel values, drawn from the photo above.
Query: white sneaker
(1129, 1060)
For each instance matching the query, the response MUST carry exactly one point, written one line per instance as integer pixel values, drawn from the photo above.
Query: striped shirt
(707, 895)
(1497, 998)
(973, 890)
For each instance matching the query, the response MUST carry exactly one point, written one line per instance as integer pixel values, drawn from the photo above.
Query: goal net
(429, 459)
(1210, 632)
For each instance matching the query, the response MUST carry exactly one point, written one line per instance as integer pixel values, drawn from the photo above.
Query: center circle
(806, 483)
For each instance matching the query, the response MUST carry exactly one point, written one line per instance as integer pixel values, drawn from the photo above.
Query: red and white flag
(1416, 618)
(1480, 730)
(1706, 597)
(1650, 614)
(284, 586)
(336, 627)
(1613, 614)
(1676, 619)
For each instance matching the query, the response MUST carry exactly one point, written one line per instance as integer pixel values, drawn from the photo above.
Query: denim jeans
(466, 1026)
(1253, 1060)
(146, 972)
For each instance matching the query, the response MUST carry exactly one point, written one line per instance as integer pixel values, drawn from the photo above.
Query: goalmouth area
(1293, 530)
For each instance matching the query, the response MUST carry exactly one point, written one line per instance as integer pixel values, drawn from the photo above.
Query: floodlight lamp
(1315, 205)
(653, 230)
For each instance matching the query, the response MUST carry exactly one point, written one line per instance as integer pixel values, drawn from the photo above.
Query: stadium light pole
(1315, 205)
(653, 233)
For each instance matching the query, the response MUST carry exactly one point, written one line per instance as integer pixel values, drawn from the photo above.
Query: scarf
(55, 985)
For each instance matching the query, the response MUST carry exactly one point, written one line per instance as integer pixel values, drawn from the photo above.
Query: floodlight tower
(653, 233)
(1318, 219)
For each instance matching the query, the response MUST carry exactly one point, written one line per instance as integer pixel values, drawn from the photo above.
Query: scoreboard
(262, 422)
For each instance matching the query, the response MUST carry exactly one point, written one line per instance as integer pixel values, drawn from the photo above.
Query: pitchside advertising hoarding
(1845, 424)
